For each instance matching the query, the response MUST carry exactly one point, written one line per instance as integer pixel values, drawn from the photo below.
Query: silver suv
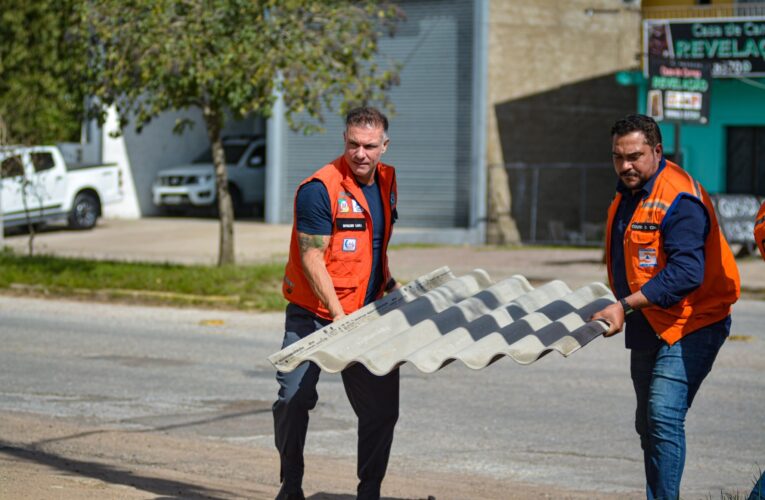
(180, 189)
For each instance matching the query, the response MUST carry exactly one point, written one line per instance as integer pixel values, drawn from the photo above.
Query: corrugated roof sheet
(439, 318)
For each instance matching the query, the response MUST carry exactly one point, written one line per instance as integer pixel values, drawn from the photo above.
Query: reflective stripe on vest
(349, 253)
(759, 230)
(644, 257)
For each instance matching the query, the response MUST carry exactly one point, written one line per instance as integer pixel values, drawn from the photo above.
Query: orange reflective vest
(644, 258)
(348, 256)
(759, 230)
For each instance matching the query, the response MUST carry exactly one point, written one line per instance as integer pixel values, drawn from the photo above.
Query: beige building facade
(551, 88)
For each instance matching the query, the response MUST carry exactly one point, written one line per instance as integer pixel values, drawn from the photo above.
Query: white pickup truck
(39, 187)
(186, 187)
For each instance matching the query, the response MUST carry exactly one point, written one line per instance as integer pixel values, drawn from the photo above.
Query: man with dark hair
(676, 279)
(344, 215)
(638, 123)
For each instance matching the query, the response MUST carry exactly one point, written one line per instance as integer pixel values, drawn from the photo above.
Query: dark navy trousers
(374, 400)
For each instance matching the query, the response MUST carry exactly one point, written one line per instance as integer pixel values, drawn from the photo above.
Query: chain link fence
(567, 203)
(561, 203)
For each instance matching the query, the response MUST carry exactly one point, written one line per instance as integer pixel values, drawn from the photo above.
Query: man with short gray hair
(344, 215)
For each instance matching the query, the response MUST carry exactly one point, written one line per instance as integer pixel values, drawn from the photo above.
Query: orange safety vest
(644, 258)
(348, 256)
(759, 230)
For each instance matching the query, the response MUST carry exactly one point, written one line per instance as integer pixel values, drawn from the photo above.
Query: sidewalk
(195, 241)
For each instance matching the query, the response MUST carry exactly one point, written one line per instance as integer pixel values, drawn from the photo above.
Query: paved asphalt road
(559, 422)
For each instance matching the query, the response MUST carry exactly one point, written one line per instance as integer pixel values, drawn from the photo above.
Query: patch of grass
(251, 287)
(757, 493)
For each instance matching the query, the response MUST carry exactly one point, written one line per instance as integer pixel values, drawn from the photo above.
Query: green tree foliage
(41, 97)
(148, 56)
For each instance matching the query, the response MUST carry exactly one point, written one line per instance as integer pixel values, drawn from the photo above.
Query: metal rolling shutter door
(431, 130)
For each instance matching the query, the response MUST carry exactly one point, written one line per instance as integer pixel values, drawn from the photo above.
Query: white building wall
(114, 151)
(142, 155)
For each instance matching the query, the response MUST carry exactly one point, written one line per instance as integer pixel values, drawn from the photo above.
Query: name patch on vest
(647, 257)
(351, 224)
(644, 226)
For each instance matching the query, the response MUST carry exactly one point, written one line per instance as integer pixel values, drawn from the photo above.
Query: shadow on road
(216, 417)
(183, 423)
(168, 489)
(323, 495)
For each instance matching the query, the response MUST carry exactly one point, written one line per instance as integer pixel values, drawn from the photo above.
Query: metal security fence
(561, 203)
(566, 204)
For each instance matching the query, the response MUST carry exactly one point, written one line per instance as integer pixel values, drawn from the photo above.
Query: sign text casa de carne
(734, 47)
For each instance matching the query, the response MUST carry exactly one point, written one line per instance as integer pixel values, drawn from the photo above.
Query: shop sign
(734, 47)
(678, 91)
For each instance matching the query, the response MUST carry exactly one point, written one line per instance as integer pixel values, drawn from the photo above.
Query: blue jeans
(375, 400)
(666, 380)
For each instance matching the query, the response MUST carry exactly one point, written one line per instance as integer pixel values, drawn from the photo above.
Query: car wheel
(85, 211)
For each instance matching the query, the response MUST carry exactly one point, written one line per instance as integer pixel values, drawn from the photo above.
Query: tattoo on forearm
(308, 241)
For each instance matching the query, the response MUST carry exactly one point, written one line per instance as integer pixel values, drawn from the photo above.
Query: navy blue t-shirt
(314, 216)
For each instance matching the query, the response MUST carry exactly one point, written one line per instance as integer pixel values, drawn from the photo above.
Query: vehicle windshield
(233, 154)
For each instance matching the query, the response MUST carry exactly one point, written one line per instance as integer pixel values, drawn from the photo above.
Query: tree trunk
(214, 122)
(501, 228)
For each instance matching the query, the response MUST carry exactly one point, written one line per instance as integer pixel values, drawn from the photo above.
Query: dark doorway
(745, 155)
